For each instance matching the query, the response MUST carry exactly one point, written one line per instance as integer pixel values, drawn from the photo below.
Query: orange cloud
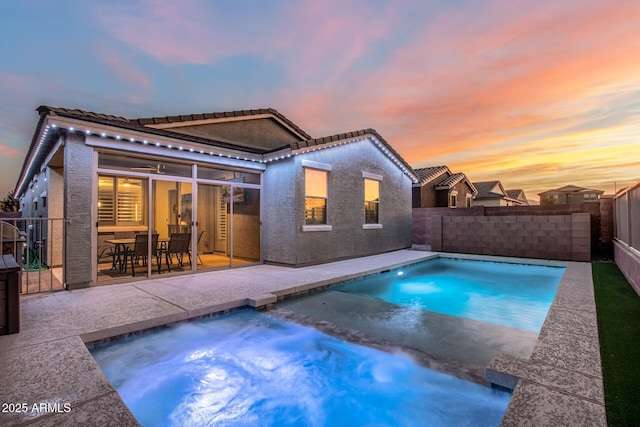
(8, 151)
(517, 86)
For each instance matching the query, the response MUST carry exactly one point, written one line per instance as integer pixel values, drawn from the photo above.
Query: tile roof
(138, 125)
(219, 115)
(428, 174)
(516, 194)
(81, 114)
(124, 123)
(452, 180)
(484, 189)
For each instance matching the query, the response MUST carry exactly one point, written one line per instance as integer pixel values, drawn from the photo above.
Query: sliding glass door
(122, 215)
(213, 226)
(157, 217)
(246, 226)
(228, 226)
(172, 220)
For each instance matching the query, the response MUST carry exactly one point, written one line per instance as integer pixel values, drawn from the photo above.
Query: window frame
(117, 200)
(367, 176)
(453, 200)
(308, 165)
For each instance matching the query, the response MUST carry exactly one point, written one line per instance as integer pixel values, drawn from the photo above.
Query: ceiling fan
(160, 168)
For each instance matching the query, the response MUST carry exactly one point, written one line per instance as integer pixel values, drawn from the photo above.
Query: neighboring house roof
(490, 190)
(514, 194)
(571, 189)
(452, 180)
(428, 174)
(517, 194)
(111, 127)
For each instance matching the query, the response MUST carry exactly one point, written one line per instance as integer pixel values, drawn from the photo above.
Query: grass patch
(618, 308)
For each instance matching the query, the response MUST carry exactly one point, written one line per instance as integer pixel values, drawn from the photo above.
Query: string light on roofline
(169, 146)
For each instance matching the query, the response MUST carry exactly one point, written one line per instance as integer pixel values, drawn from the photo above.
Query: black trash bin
(9, 295)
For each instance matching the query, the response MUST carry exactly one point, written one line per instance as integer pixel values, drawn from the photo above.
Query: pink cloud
(127, 71)
(171, 32)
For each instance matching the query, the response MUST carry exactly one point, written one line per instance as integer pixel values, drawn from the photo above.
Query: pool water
(512, 295)
(250, 369)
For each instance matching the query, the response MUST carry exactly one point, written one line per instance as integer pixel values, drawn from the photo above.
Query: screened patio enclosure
(157, 217)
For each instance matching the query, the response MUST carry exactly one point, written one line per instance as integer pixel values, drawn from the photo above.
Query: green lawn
(618, 308)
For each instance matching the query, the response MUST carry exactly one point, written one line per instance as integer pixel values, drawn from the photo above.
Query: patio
(48, 362)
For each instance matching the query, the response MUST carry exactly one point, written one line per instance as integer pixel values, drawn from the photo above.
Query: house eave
(359, 136)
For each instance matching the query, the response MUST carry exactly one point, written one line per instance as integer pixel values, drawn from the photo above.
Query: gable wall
(462, 188)
(257, 133)
(345, 208)
(425, 196)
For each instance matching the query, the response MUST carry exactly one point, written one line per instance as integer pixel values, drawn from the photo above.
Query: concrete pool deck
(48, 368)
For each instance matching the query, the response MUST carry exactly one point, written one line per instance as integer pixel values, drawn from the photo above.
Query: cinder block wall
(601, 223)
(561, 237)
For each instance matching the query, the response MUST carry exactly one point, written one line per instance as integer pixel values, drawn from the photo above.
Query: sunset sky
(534, 94)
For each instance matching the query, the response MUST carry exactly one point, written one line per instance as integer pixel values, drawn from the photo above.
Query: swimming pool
(248, 368)
(512, 295)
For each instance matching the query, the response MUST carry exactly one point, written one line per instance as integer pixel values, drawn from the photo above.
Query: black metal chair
(198, 247)
(140, 251)
(107, 250)
(177, 245)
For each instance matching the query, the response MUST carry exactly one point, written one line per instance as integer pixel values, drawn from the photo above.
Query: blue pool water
(249, 369)
(513, 295)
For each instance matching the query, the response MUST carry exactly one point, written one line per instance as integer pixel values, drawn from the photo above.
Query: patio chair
(177, 245)
(198, 247)
(107, 250)
(140, 252)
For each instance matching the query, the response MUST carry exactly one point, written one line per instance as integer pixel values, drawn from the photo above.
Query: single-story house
(492, 193)
(244, 186)
(518, 196)
(569, 194)
(439, 187)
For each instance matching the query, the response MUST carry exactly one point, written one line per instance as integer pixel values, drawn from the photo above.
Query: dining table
(120, 249)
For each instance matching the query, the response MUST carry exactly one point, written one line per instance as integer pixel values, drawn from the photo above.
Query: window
(121, 200)
(315, 202)
(453, 200)
(371, 201)
(469, 198)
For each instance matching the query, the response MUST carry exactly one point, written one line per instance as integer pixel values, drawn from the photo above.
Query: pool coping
(48, 363)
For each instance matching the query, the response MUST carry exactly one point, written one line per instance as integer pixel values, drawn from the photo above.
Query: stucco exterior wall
(345, 205)
(78, 180)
